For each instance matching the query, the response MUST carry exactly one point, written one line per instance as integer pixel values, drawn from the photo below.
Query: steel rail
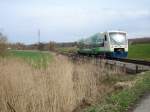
(127, 60)
(134, 61)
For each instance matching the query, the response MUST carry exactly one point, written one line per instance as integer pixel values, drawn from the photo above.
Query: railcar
(113, 44)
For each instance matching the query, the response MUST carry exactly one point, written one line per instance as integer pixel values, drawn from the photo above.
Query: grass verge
(122, 100)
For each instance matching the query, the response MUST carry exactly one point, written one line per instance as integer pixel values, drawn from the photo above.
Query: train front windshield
(118, 38)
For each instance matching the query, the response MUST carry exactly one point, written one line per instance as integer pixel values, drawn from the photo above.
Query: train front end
(118, 44)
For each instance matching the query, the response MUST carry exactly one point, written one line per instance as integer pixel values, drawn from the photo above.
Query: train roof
(110, 31)
(99, 33)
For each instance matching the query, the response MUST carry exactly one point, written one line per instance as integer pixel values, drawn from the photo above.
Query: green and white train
(112, 44)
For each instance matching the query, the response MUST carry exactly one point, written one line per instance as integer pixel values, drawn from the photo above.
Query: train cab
(118, 44)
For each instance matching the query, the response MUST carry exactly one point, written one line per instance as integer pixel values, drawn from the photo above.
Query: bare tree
(51, 46)
(3, 44)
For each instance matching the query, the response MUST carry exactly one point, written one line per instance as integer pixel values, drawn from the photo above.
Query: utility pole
(40, 45)
(39, 36)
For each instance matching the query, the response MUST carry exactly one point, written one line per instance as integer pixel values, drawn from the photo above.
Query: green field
(36, 58)
(34, 55)
(139, 51)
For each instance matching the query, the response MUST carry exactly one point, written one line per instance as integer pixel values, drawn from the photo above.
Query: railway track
(130, 65)
(139, 62)
(134, 61)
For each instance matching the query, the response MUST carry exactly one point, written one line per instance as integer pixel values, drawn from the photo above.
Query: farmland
(33, 55)
(35, 58)
(139, 51)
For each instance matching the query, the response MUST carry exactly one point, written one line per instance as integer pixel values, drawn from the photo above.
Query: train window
(105, 38)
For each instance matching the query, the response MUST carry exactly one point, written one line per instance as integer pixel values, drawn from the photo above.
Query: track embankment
(127, 65)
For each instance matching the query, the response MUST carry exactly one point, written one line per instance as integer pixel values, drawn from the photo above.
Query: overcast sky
(70, 20)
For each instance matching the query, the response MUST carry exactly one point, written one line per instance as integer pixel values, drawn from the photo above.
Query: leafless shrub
(3, 45)
(40, 46)
(51, 46)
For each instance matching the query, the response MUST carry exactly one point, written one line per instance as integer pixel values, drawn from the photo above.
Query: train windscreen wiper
(116, 42)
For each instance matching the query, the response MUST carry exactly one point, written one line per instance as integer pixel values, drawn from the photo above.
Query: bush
(3, 45)
(41, 46)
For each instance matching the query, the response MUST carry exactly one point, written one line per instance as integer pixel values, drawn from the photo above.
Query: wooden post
(136, 68)
(124, 68)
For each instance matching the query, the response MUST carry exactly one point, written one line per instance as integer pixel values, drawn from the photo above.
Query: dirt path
(144, 105)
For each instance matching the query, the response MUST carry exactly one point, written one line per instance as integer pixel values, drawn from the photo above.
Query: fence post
(124, 68)
(136, 68)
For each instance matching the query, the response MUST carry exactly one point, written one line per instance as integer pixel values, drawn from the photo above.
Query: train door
(106, 42)
(105, 38)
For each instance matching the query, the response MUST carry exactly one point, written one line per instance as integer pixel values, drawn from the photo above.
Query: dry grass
(61, 87)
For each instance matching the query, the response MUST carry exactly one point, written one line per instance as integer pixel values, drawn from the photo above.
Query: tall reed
(61, 87)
